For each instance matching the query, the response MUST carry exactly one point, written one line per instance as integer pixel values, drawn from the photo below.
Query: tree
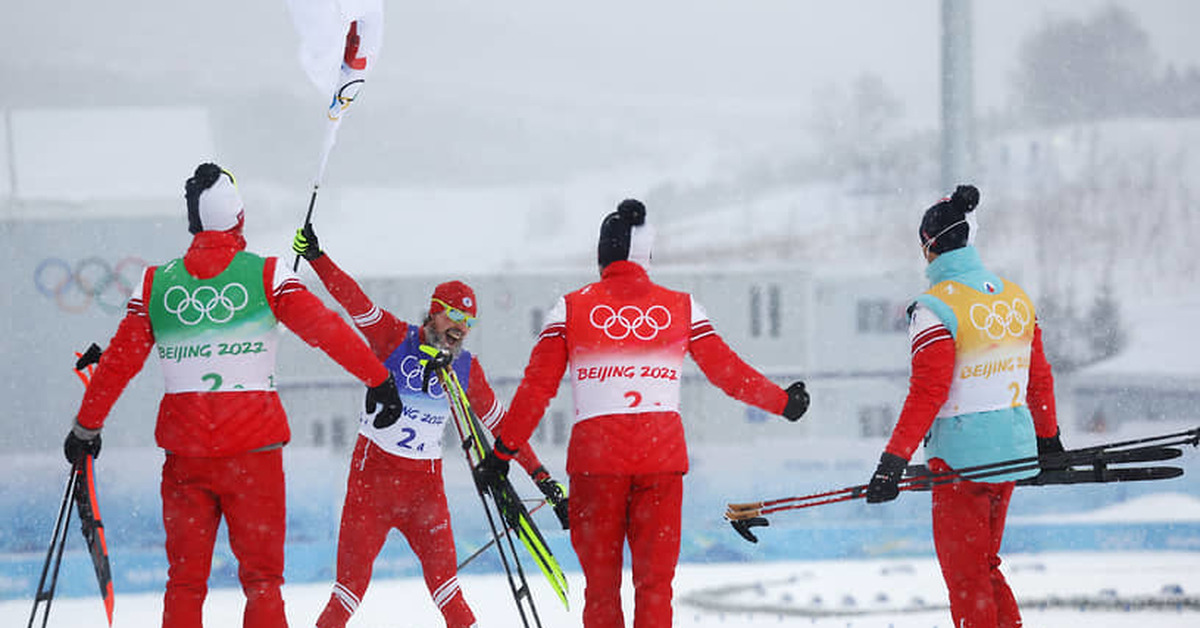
(1106, 337)
(1097, 68)
(857, 130)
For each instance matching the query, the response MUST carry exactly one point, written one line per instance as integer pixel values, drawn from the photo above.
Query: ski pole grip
(89, 357)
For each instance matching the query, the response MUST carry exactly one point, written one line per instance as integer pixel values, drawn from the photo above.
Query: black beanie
(944, 226)
(624, 235)
(213, 203)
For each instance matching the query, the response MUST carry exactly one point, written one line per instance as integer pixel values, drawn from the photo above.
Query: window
(773, 310)
(337, 432)
(756, 313)
(537, 320)
(875, 421)
(765, 317)
(880, 316)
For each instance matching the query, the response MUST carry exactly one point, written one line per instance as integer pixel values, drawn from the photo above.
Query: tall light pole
(958, 102)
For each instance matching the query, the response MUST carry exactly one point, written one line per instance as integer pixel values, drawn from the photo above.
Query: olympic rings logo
(74, 288)
(414, 377)
(630, 319)
(206, 302)
(1002, 318)
(343, 97)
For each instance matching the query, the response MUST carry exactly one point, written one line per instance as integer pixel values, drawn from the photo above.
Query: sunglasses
(456, 314)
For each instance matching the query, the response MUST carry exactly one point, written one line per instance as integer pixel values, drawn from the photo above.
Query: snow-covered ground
(1059, 590)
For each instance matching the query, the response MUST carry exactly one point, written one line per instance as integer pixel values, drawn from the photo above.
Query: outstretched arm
(547, 363)
(727, 371)
(303, 313)
(491, 413)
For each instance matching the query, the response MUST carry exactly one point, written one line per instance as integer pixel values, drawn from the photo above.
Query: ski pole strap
(504, 452)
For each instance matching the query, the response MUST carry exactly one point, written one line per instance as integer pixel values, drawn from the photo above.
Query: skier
(213, 315)
(396, 470)
(625, 339)
(981, 391)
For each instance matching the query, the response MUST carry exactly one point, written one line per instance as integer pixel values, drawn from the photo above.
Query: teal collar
(952, 264)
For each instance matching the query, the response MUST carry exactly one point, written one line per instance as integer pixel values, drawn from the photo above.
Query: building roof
(1163, 348)
(62, 158)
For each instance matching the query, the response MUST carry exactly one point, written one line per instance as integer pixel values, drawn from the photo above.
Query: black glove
(437, 360)
(305, 244)
(1048, 448)
(492, 471)
(884, 485)
(384, 394)
(80, 442)
(797, 403)
(555, 492)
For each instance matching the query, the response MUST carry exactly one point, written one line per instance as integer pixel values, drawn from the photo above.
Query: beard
(442, 341)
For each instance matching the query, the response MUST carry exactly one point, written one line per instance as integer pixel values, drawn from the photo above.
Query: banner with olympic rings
(74, 287)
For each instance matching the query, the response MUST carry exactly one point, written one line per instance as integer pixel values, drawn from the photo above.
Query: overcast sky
(762, 51)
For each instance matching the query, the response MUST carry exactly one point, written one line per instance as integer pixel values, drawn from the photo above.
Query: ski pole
(467, 561)
(54, 553)
(474, 447)
(508, 503)
(1082, 456)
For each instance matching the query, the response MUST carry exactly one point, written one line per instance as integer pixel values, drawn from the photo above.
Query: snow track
(850, 589)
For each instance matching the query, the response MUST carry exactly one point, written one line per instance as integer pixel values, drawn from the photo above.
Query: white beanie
(213, 200)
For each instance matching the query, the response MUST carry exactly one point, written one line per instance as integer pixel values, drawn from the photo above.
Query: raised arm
(384, 332)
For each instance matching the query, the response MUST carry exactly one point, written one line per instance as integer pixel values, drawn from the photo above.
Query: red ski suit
(625, 338)
(968, 517)
(388, 489)
(223, 449)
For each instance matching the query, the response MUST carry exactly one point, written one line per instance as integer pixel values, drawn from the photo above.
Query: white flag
(339, 43)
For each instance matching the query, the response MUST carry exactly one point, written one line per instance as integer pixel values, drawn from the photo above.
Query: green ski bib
(215, 334)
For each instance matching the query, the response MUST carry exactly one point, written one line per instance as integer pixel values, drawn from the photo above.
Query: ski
(84, 493)
(81, 488)
(1101, 475)
(93, 529)
(1086, 475)
(743, 516)
(512, 513)
(511, 507)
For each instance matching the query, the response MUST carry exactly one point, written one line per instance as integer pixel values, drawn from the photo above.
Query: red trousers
(605, 510)
(248, 491)
(968, 526)
(384, 492)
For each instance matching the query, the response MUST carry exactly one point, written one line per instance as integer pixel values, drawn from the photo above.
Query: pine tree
(1105, 333)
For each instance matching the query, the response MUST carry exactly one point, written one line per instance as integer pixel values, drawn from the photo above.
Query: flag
(339, 43)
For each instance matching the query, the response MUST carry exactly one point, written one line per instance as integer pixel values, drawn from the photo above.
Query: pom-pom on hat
(625, 235)
(945, 226)
(213, 202)
(456, 294)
